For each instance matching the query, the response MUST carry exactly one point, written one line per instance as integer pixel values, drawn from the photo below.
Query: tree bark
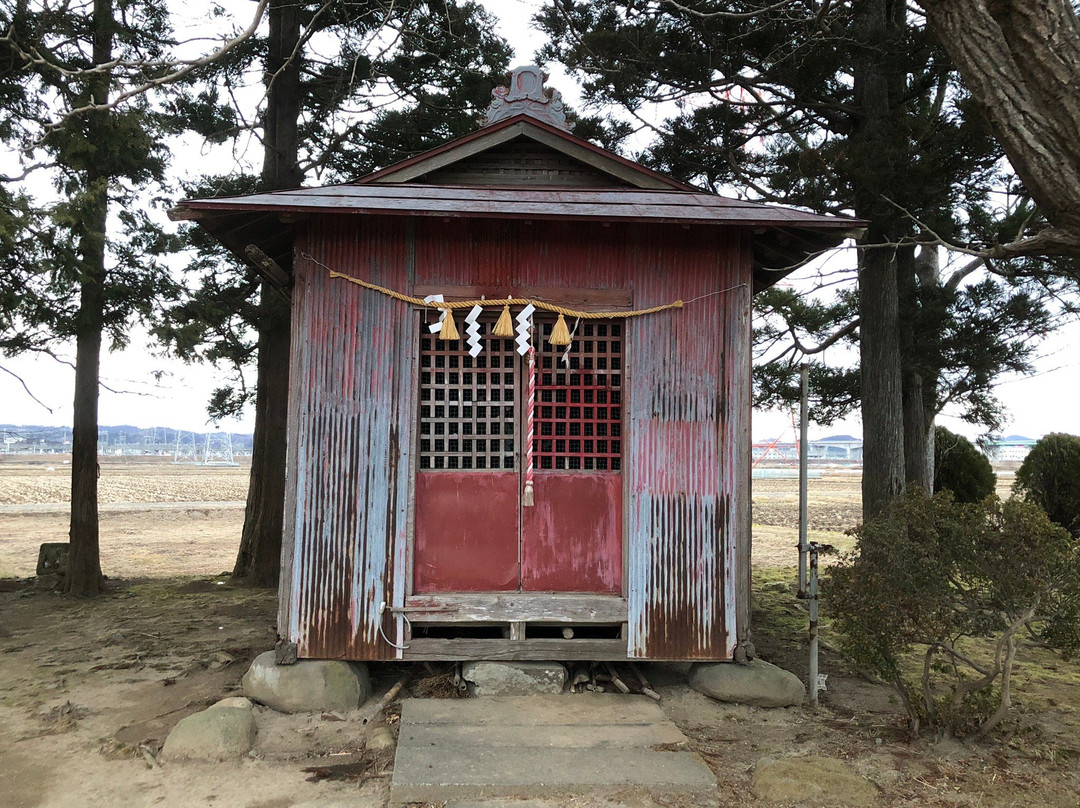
(1021, 61)
(84, 576)
(875, 88)
(84, 564)
(919, 379)
(882, 391)
(259, 558)
(918, 432)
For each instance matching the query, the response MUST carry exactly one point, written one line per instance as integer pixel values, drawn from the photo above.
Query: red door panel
(571, 539)
(466, 532)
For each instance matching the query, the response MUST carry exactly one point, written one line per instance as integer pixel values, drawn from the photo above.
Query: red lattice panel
(468, 405)
(578, 418)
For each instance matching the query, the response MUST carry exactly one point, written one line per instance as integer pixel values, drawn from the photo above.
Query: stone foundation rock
(310, 685)
(221, 732)
(513, 678)
(756, 683)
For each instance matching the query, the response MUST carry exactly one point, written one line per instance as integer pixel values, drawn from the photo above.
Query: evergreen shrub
(940, 597)
(1050, 477)
(961, 468)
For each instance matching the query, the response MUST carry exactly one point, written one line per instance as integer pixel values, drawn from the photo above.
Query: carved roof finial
(525, 93)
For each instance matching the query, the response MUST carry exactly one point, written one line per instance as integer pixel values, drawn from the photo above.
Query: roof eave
(236, 226)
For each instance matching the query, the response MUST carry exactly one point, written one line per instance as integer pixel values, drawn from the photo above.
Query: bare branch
(181, 72)
(733, 15)
(29, 392)
(26, 172)
(832, 339)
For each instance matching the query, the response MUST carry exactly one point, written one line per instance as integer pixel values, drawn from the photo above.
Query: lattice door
(579, 401)
(472, 531)
(572, 537)
(467, 536)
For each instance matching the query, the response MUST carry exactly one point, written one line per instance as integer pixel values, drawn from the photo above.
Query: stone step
(571, 708)
(542, 748)
(567, 736)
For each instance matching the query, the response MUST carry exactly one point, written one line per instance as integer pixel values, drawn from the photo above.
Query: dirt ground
(90, 689)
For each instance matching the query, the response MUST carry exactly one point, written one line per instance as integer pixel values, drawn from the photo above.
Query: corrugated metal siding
(511, 254)
(685, 425)
(351, 390)
(688, 403)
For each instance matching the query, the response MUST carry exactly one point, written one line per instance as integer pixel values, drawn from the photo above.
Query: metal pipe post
(813, 594)
(804, 457)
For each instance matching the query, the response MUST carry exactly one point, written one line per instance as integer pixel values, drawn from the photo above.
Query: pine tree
(89, 95)
(848, 107)
(94, 266)
(335, 111)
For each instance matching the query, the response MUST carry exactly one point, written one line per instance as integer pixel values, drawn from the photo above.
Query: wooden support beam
(267, 266)
(516, 607)
(541, 650)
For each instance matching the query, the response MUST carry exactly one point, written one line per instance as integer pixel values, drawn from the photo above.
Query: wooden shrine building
(551, 484)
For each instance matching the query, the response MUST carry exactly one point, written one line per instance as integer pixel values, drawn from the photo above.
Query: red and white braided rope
(530, 415)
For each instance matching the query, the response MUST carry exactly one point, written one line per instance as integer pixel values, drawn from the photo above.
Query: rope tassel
(560, 334)
(505, 326)
(449, 331)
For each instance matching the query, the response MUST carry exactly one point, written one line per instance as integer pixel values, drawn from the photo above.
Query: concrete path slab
(542, 747)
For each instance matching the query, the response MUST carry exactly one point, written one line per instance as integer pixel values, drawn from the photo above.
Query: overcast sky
(1044, 402)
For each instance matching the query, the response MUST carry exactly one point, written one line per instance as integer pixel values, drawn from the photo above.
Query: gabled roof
(525, 126)
(607, 187)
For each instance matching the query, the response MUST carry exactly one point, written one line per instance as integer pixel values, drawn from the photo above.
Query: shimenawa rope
(560, 334)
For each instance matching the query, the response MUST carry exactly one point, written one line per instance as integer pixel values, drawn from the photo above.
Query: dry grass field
(159, 519)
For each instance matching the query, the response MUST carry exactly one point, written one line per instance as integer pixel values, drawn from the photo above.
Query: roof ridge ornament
(525, 92)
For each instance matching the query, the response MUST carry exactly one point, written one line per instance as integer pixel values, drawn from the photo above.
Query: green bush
(939, 597)
(961, 468)
(1050, 477)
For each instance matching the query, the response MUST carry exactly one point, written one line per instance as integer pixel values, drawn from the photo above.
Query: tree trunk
(84, 564)
(920, 282)
(84, 561)
(882, 392)
(913, 328)
(259, 558)
(1021, 61)
(918, 446)
(879, 342)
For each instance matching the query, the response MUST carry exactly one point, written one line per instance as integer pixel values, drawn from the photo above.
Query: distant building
(848, 449)
(836, 447)
(1013, 448)
(833, 449)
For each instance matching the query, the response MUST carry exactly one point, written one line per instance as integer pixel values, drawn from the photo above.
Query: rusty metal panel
(466, 532)
(571, 539)
(688, 401)
(351, 391)
(507, 256)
